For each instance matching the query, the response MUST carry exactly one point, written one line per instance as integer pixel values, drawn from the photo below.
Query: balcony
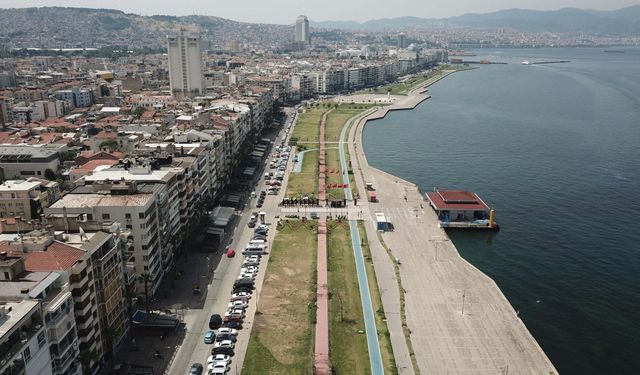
(16, 342)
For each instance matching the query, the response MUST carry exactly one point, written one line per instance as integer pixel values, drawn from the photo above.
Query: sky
(286, 11)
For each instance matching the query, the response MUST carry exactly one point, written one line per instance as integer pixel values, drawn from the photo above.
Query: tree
(138, 112)
(86, 357)
(112, 144)
(146, 278)
(49, 174)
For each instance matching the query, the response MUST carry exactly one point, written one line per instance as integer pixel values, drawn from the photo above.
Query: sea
(555, 150)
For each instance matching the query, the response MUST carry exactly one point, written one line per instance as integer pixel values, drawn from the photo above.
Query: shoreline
(518, 349)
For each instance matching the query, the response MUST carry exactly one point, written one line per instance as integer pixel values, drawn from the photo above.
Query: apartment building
(22, 161)
(23, 339)
(27, 198)
(112, 200)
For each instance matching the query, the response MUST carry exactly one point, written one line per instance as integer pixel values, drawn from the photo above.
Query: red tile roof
(57, 257)
(456, 200)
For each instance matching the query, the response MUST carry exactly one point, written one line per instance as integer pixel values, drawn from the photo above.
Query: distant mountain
(61, 27)
(625, 21)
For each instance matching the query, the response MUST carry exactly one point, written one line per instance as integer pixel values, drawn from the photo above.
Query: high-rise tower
(185, 65)
(302, 30)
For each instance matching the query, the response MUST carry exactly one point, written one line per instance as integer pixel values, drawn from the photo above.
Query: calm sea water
(555, 149)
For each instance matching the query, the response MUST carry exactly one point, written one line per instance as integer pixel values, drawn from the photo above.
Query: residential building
(185, 65)
(76, 97)
(22, 161)
(27, 198)
(23, 339)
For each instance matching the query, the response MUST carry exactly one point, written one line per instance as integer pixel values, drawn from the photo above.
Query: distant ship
(526, 62)
(613, 51)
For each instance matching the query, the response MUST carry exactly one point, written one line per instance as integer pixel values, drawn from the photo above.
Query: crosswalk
(356, 213)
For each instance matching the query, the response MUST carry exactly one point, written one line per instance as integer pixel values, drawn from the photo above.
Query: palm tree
(86, 357)
(146, 278)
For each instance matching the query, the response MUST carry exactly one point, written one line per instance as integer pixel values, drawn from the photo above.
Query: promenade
(459, 320)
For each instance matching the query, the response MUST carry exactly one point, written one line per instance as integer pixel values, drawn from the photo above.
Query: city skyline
(286, 11)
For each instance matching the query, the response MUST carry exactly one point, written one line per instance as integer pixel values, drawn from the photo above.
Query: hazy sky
(286, 11)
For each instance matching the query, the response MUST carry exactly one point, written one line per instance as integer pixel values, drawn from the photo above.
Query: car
(219, 358)
(234, 318)
(273, 192)
(240, 304)
(262, 227)
(243, 289)
(235, 312)
(247, 275)
(241, 295)
(227, 331)
(259, 237)
(263, 193)
(219, 367)
(226, 336)
(250, 262)
(253, 194)
(260, 231)
(256, 257)
(209, 337)
(224, 344)
(196, 369)
(251, 224)
(215, 321)
(225, 351)
(232, 325)
(244, 282)
(259, 204)
(249, 269)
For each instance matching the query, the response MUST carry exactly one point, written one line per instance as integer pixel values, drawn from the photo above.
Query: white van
(257, 243)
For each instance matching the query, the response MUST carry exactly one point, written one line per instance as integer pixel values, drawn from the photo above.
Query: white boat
(526, 62)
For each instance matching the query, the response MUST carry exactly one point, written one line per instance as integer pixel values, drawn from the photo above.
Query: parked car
(232, 325)
(226, 336)
(215, 321)
(234, 318)
(240, 304)
(225, 351)
(225, 344)
(219, 357)
(209, 337)
(196, 369)
(227, 331)
(241, 295)
(217, 368)
(242, 289)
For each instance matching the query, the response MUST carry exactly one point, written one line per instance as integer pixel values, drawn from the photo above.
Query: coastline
(489, 336)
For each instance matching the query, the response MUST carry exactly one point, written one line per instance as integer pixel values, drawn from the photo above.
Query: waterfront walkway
(375, 357)
(458, 319)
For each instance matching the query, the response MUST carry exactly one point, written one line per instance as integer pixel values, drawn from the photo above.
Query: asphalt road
(193, 349)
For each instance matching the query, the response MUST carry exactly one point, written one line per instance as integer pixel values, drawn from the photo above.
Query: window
(27, 354)
(141, 215)
(41, 340)
(145, 257)
(89, 216)
(127, 216)
(106, 216)
(146, 268)
(143, 226)
(129, 226)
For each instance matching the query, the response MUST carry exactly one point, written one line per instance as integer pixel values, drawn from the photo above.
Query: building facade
(185, 65)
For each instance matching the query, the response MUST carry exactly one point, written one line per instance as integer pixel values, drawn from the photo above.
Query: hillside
(625, 21)
(57, 27)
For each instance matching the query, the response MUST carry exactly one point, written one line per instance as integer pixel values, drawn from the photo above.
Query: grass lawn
(383, 332)
(339, 117)
(347, 346)
(305, 182)
(332, 158)
(307, 127)
(282, 340)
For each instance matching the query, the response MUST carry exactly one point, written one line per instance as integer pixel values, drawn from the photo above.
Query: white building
(302, 30)
(23, 339)
(21, 161)
(185, 65)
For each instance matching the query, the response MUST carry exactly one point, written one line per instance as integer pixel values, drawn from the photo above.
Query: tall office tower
(402, 42)
(185, 65)
(302, 30)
